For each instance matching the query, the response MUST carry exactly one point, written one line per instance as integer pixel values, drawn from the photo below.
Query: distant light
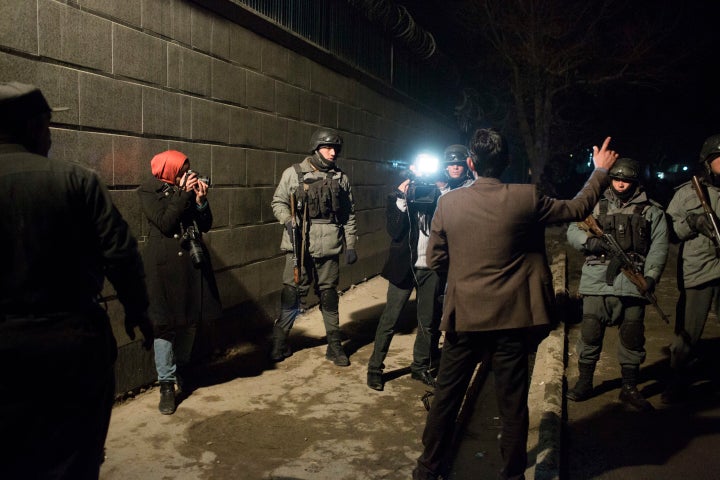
(685, 168)
(660, 175)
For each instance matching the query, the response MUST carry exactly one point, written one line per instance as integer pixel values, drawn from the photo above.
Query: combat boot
(335, 352)
(629, 393)
(583, 388)
(280, 349)
(167, 398)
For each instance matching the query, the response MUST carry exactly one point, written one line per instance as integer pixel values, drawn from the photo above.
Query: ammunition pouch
(631, 231)
(322, 194)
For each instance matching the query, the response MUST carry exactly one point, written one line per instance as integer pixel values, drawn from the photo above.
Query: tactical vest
(321, 193)
(632, 231)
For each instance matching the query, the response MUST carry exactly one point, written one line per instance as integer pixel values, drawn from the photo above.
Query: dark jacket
(180, 294)
(402, 255)
(490, 238)
(61, 235)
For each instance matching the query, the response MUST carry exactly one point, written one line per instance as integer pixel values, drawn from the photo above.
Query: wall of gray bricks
(143, 76)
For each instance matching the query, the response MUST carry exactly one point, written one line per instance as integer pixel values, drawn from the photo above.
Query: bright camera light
(426, 163)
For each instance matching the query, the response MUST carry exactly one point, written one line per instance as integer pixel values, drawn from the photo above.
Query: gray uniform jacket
(593, 280)
(700, 264)
(324, 239)
(490, 238)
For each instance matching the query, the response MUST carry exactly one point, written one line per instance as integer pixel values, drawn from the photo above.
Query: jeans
(173, 348)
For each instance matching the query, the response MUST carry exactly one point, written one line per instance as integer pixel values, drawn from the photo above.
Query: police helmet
(456, 154)
(625, 169)
(710, 149)
(326, 137)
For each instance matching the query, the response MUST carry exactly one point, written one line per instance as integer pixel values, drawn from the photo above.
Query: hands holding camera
(192, 182)
(403, 188)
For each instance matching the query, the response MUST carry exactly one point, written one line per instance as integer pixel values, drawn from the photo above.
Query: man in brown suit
(489, 237)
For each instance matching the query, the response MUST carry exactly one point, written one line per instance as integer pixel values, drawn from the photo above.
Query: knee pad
(632, 336)
(329, 300)
(289, 298)
(591, 330)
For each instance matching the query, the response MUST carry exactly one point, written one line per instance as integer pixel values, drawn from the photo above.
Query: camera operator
(180, 278)
(409, 214)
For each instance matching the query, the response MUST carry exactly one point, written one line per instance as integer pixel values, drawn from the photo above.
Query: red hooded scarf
(166, 165)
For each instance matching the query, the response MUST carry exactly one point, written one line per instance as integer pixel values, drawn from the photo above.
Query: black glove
(289, 227)
(350, 256)
(698, 222)
(143, 323)
(595, 245)
(650, 285)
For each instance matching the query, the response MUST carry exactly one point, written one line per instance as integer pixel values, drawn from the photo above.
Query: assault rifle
(627, 266)
(293, 240)
(709, 214)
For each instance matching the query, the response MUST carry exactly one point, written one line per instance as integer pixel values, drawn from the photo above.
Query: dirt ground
(245, 418)
(304, 418)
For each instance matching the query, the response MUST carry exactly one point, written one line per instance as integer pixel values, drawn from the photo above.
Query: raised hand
(604, 157)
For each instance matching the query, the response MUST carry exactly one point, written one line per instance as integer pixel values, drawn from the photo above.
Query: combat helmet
(710, 149)
(625, 169)
(325, 136)
(456, 154)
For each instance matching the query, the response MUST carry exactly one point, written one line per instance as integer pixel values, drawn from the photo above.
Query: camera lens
(197, 256)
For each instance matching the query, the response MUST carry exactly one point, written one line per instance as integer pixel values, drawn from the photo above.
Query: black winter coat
(180, 294)
(403, 231)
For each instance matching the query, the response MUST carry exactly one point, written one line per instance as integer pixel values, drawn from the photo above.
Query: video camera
(423, 175)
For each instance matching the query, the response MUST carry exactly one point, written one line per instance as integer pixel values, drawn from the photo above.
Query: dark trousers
(56, 394)
(693, 307)
(322, 273)
(461, 352)
(425, 349)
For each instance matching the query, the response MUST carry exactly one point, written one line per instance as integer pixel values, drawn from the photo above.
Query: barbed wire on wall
(397, 20)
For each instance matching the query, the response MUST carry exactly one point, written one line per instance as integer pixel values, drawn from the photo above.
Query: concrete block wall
(143, 76)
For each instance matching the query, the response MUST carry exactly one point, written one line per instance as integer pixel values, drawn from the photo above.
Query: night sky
(679, 115)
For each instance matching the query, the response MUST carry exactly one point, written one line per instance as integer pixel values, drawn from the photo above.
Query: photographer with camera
(180, 278)
(409, 214)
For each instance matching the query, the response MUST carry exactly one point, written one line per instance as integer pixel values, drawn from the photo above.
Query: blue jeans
(173, 348)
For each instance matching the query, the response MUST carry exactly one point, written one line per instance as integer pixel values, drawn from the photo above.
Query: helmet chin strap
(627, 194)
(710, 177)
(320, 163)
(454, 182)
